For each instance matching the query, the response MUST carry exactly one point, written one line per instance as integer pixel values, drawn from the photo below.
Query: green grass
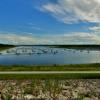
(49, 76)
(73, 67)
(77, 67)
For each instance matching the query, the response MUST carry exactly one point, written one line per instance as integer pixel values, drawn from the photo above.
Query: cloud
(36, 28)
(95, 28)
(73, 11)
(16, 39)
(72, 38)
(33, 26)
(82, 38)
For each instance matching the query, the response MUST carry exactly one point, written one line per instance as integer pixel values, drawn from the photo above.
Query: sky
(49, 22)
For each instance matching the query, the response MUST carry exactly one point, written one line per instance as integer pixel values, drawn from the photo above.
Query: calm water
(46, 55)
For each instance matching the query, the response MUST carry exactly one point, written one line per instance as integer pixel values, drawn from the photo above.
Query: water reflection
(48, 55)
(30, 51)
(39, 51)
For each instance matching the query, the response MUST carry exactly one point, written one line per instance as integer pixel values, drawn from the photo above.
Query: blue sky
(50, 21)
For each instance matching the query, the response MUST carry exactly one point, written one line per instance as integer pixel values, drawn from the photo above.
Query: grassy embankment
(71, 67)
(50, 76)
(80, 67)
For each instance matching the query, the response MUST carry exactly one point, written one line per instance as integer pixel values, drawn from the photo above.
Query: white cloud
(95, 28)
(73, 38)
(35, 27)
(73, 11)
(16, 39)
(83, 38)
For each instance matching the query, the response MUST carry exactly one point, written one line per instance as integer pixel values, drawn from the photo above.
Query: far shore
(70, 46)
(5, 46)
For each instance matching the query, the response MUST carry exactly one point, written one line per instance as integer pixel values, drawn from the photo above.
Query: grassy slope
(74, 67)
(87, 67)
(52, 76)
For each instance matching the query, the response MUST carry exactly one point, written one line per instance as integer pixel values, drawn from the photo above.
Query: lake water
(41, 55)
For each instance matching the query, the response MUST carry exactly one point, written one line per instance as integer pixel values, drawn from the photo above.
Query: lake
(44, 55)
